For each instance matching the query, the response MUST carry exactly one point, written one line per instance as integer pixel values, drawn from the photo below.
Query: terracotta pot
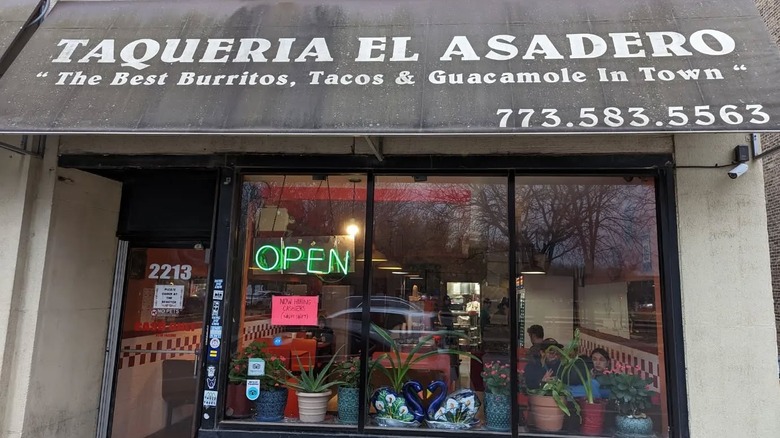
(547, 415)
(236, 403)
(592, 417)
(312, 406)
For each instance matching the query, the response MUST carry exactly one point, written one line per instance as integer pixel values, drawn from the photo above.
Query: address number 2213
(170, 272)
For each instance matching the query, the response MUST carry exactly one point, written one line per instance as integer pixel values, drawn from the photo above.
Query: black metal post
(366, 315)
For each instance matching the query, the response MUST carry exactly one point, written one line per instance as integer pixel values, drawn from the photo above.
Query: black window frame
(226, 237)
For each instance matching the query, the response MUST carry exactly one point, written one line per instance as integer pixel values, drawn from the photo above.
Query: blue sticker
(252, 389)
(215, 332)
(218, 283)
(278, 341)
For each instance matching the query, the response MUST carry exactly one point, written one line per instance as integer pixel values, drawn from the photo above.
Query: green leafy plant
(311, 380)
(571, 362)
(400, 366)
(496, 377)
(560, 392)
(274, 366)
(348, 371)
(628, 390)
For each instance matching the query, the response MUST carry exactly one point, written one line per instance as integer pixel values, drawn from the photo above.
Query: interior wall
(728, 317)
(549, 302)
(604, 308)
(72, 316)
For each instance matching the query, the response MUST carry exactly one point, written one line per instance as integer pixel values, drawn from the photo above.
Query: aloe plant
(399, 366)
(312, 381)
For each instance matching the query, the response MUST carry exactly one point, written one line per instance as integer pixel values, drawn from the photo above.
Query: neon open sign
(330, 256)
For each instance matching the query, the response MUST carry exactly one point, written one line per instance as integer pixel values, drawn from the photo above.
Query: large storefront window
(590, 285)
(300, 312)
(444, 252)
(438, 306)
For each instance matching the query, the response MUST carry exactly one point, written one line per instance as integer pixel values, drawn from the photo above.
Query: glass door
(158, 360)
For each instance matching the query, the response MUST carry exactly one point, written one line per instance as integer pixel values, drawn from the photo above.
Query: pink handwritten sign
(294, 310)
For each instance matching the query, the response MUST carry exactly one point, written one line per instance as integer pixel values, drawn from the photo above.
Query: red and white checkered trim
(647, 362)
(187, 340)
(184, 340)
(260, 328)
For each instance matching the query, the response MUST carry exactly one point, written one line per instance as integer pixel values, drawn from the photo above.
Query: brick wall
(770, 10)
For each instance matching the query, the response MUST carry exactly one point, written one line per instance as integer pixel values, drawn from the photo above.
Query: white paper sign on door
(167, 296)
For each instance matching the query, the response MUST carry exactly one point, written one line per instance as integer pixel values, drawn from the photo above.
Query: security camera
(738, 170)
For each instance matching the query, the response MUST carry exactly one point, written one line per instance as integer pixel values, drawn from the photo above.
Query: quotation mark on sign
(42, 74)
(740, 67)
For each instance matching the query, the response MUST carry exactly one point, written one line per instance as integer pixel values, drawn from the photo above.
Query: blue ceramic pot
(348, 405)
(498, 412)
(269, 406)
(630, 427)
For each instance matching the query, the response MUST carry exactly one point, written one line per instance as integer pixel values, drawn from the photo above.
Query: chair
(306, 351)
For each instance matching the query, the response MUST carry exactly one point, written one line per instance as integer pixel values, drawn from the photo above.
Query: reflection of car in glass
(390, 313)
(257, 297)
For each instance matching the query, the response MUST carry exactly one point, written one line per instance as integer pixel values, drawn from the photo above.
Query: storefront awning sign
(13, 16)
(379, 67)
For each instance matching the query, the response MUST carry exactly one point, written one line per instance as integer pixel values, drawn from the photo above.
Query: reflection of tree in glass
(598, 226)
(417, 224)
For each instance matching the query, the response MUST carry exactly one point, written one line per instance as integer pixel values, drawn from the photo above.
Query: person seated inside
(536, 335)
(599, 363)
(538, 372)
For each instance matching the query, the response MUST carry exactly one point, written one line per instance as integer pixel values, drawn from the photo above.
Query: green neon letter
(333, 259)
(312, 258)
(289, 259)
(260, 258)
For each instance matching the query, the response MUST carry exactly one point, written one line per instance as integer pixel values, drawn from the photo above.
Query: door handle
(197, 363)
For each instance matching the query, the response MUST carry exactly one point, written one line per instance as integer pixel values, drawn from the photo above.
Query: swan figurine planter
(455, 411)
(396, 410)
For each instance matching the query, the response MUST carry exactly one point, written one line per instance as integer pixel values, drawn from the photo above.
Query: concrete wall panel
(728, 318)
(73, 311)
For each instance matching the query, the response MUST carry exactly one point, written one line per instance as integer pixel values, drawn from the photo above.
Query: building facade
(196, 198)
(771, 14)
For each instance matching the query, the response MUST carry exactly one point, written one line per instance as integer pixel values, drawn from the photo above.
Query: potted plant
(630, 394)
(236, 404)
(313, 390)
(398, 404)
(348, 372)
(269, 406)
(498, 404)
(549, 404)
(590, 410)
